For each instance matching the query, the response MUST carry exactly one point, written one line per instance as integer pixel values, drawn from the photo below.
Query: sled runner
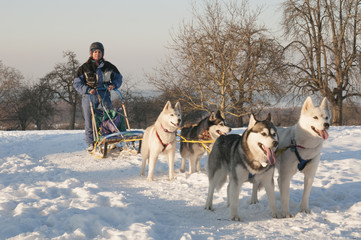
(111, 129)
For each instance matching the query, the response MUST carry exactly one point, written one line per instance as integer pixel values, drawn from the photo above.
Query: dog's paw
(305, 211)
(210, 208)
(237, 218)
(286, 215)
(254, 202)
(149, 179)
(275, 215)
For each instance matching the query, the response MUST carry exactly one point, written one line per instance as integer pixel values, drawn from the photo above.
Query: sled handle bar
(123, 106)
(115, 90)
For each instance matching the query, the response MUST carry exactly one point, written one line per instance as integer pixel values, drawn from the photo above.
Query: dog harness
(160, 140)
(205, 135)
(302, 162)
(250, 175)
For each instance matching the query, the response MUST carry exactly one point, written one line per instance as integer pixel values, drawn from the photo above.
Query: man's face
(97, 54)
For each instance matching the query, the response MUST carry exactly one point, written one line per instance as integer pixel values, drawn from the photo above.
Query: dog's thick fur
(161, 138)
(209, 128)
(308, 134)
(241, 156)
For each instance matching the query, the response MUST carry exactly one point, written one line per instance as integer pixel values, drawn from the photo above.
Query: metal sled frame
(133, 139)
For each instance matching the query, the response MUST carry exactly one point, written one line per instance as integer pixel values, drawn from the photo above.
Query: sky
(135, 33)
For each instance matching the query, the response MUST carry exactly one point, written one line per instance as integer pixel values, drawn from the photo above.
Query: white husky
(161, 138)
(300, 147)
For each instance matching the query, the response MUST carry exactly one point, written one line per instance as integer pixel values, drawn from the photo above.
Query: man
(94, 79)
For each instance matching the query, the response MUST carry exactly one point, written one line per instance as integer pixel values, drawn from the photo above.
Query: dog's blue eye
(315, 117)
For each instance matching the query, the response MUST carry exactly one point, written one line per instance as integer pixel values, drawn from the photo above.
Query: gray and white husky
(300, 147)
(160, 138)
(209, 128)
(249, 157)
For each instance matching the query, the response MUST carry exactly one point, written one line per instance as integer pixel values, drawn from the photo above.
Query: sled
(111, 129)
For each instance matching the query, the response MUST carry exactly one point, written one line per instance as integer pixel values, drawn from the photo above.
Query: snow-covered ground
(51, 188)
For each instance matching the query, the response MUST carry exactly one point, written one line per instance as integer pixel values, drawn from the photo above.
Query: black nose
(326, 125)
(275, 143)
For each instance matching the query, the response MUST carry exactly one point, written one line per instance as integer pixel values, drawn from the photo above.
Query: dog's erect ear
(167, 106)
(307, 105)
(212, 117)
(324, 104)
(252, 121)
(220, 115)
(178, 106)
(269, 117)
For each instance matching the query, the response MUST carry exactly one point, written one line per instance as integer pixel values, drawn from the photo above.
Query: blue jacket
(96, 75)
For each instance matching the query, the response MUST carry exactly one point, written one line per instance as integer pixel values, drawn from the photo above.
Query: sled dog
(249, 157)
(300, 148)
(160, 138)
(209, 128)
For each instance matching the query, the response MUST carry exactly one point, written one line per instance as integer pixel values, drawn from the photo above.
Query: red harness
(160, 140)
(205, 135)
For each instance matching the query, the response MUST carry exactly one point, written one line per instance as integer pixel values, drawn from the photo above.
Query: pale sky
(34, 33)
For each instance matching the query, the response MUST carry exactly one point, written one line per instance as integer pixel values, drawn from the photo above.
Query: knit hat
(97, 45)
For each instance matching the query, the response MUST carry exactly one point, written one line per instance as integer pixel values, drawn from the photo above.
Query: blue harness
(302, 162)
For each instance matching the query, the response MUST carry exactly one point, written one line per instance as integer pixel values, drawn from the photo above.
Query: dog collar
(166, 130)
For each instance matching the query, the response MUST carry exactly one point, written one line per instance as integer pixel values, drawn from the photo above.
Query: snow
(51, 188)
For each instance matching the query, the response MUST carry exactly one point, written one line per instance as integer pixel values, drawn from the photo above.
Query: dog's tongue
(270, 155)
(323, 134)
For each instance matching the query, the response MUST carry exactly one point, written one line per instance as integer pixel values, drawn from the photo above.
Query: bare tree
(11, 88)
(60, 81)
(324, 49)
(24, 107)
(222, 60)
(41, 99)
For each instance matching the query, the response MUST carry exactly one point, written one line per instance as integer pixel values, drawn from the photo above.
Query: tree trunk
(72, 118)
(240, 121)
(336, 110)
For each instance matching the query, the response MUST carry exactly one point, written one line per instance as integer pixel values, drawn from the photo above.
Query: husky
(300, 148)
(160, 138)
(249, 157)
(208, 129)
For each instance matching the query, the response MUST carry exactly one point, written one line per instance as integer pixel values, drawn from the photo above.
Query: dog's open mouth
(175, 124)
(219, 132)
(271, 158)
(322, 133)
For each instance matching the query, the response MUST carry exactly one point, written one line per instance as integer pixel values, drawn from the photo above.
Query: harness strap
(302, 162)
(203, 142)
(205, 135)
(161, 142)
